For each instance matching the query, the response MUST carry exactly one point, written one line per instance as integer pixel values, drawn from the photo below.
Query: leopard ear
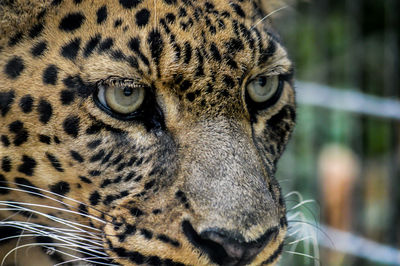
(17, 15)
(270, 6)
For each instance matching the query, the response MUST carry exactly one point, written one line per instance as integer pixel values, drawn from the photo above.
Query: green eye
(263, 88)
(121, 96)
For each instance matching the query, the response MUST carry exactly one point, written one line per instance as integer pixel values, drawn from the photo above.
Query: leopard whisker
(23, 246)
(92, 249)
(302, 203)
(16, 204)
(52, 193)
(16, 236)
(62, 252)
(76, 248)
(303, 222)
(301, 254)
(89, 259)
(10, 203)
(56, 229)
(314, 226)
(77, 234)
(33, 229)
(56, 219)
(307, 235)
(58, 236)
(19, 240)
(79, 250)
(299, 240)
(294, 214)
(20, 236)
(64, 246)
(294, 232)
(268, 15)
(296, 193)
(10, 216)
(314, 244)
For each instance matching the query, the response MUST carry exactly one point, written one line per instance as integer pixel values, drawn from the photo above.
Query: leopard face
(142, 132)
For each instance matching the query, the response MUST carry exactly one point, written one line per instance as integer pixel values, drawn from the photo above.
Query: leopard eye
(121, 96)
(263, 88)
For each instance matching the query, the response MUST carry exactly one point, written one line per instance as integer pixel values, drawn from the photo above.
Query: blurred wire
(358, 246)
(346, 100)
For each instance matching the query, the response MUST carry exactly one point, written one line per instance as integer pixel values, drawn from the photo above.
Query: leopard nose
(224, 249)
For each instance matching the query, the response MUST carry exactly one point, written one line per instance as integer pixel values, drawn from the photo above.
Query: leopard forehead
(192, 49)
(211, 166)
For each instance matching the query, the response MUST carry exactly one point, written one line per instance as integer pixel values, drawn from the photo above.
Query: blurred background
(341, 170)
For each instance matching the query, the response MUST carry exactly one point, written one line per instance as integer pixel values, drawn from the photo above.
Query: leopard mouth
(225, 250)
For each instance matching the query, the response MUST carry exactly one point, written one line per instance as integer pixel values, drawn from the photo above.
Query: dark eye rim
(135, 115)
(255, 107)
(149, 114)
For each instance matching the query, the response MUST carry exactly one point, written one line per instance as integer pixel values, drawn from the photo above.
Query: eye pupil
(128, 91)
(262, 81)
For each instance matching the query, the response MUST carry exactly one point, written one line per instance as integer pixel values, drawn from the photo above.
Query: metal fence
(312, 233)
(347, 56)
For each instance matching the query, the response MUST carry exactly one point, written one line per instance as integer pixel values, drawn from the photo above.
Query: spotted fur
(171, 186)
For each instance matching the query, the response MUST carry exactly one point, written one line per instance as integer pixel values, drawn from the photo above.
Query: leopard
(142, 132)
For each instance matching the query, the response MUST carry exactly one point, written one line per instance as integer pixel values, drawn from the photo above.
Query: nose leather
(224, 249)
(238, 253)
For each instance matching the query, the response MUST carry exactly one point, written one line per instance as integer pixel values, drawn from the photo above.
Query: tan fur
(210, 164)
(19, 14)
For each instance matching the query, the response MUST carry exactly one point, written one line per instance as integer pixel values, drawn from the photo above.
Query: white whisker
(16, 236)
(294, 232)
(87, 259)
(301, 254)
(23, 225)
(35, 229)
(68, 242)
(300, 229)
(10, 216)
(296, 215)
(268, 15)
(77, 249)
(58, 201)
(19, 239)
(301, 204)
(71, 224)
(52, 193)
(57, 229)
(296, 193)
(8, 203)
(19, 247)
(38, 235)
(299, 240)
